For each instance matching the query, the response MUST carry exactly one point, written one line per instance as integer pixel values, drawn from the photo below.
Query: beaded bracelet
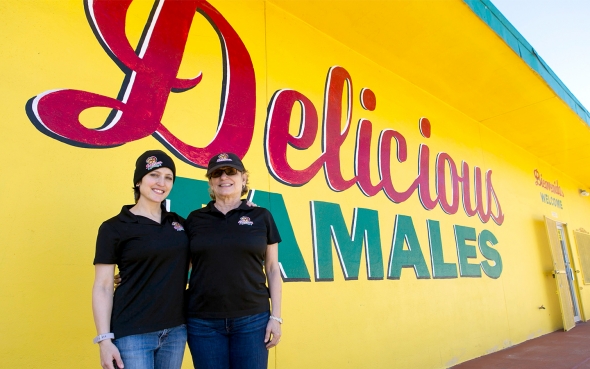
(276, 318)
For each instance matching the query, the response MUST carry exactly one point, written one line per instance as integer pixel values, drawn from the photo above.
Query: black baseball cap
(225, 159)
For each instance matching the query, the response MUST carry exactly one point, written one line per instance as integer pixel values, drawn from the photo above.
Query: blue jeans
(156, 350)
(236, 343)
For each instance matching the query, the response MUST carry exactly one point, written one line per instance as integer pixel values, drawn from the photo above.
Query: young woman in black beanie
(142, 325)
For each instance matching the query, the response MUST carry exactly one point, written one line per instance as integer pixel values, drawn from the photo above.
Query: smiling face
(156, 185)
(226, 186)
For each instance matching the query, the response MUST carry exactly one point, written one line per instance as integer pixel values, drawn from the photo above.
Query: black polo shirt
(153, 262)
(228, 252)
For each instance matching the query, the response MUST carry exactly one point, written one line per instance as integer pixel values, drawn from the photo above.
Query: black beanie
(150, 160)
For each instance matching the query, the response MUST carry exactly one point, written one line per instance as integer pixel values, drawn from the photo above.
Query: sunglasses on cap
(230, 171)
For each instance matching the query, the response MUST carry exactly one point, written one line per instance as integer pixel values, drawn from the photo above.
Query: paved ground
(557, 350)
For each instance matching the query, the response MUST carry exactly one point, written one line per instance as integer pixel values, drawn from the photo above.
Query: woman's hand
(273, 334)
(109, 355)
(117, 280)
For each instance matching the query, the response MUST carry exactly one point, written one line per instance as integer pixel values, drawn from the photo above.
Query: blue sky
(559, 30)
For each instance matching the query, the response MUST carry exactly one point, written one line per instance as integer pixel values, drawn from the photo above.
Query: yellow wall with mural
(55, 195)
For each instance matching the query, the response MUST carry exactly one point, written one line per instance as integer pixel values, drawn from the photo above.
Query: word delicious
(151, 75)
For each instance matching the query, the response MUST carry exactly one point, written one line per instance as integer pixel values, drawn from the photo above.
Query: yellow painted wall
(55, 195)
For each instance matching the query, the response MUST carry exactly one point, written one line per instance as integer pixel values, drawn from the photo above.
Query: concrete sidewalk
(557, 350)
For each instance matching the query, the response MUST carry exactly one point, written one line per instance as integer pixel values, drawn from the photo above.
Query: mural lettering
(553, 187)
(330, 232)
(151, 75)
(550, 200)
(278, 139)
(151, 71)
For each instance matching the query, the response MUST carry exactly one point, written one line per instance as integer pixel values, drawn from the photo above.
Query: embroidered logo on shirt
(152, 162)
(223, 157)
(245, 221)
(177, 226)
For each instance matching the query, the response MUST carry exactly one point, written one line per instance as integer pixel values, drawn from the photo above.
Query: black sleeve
(272, 232)
(188, 222)
(106, 245)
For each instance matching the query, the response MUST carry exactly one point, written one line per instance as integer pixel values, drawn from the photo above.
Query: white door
(560, 274)
(568, 271)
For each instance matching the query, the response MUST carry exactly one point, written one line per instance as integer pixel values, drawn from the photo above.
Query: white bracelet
(102, 337)
(276, 318)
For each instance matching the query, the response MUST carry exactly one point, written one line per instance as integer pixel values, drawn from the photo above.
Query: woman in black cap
(234, 253)
(142, 326)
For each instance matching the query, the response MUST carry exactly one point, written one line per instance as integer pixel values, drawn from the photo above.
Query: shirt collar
(210, 208)
(127, 216)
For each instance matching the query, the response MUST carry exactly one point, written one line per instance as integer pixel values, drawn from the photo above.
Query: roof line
(485, 10)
